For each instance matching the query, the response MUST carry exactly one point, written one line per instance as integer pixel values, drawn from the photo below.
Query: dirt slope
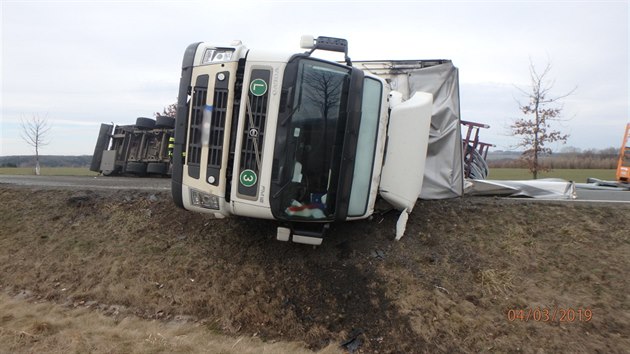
(452, 284)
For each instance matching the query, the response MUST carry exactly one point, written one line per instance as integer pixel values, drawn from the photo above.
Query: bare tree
(541, 109)
(324, 90)
(35, 133)
(168, 111)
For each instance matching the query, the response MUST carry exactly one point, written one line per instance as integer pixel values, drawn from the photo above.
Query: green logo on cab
(258, 87)
(248, 178)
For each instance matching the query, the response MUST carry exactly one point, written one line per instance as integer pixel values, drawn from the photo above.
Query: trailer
(141, 149)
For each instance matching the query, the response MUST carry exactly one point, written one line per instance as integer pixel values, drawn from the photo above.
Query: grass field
(578, 176)
(48, 171)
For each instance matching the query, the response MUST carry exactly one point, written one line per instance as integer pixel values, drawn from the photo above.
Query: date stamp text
(555, 314)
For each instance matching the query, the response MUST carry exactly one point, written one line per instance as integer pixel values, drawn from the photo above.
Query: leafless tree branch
(35, 133)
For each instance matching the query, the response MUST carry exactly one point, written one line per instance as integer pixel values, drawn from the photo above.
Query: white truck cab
(290, 137)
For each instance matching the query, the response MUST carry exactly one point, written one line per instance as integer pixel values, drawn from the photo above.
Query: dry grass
(42, 327)
(496, 282)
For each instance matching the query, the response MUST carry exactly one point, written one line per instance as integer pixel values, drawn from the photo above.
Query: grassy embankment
(118, 271)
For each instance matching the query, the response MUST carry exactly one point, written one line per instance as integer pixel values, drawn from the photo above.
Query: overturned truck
(141, 149)
(307, 141)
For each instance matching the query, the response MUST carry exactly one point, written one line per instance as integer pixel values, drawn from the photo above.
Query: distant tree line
(570, 158)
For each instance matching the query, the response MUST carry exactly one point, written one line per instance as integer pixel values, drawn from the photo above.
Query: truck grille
(254, 132)
(217, 128)
(257, 130)
(193, 153)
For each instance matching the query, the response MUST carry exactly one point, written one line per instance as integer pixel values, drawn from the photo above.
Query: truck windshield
(309, 140)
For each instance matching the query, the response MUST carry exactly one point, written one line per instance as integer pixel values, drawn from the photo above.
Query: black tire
(136, 168)
(157, 168)
(165, 122)
(145, 123)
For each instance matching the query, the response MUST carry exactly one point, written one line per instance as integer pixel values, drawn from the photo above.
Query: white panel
(315, 241)
(244, 208)
(408, 137)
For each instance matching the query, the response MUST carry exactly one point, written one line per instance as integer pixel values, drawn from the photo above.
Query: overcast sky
(80, 63)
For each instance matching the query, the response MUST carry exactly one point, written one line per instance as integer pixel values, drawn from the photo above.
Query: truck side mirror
(331, 44)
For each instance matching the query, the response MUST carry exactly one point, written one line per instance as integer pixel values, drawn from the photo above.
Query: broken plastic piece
(401, 224)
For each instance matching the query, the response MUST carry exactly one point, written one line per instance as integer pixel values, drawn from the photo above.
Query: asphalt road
(164, 184)
(603, 196)
(82, 182)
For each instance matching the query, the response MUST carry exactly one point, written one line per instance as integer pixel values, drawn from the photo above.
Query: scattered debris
(79, 200)
(442, 289)
(354, 341)
(378, 254)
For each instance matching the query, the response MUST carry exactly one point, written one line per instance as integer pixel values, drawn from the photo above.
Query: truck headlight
(204, 200)
(217, 55)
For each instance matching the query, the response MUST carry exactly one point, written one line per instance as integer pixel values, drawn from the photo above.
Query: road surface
(82, 182)
(604, 196)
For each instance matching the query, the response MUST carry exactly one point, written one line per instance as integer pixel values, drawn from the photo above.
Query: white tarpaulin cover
(548, 188)
(444, 170)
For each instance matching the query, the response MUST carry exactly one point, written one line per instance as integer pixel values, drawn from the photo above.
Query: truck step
(305, 233)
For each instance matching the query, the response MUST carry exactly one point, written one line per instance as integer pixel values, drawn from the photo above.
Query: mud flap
(102, 144)
(108, 162)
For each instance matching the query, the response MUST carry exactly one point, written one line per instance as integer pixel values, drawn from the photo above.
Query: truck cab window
(313, 136)
(366, 145)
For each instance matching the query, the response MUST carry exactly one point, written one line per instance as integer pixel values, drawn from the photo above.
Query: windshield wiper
(285, 185)
(284, 121)
(254, 138)
(295, 109)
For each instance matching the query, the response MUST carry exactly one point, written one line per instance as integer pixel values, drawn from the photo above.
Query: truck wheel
(165, 122)
(145, 123)
(136, 168)
(158, 168)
